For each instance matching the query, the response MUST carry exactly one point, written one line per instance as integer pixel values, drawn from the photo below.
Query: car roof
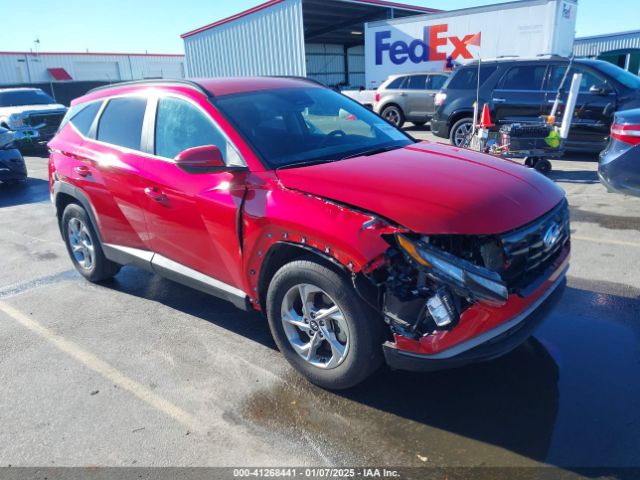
(540, 58)
(211, 87)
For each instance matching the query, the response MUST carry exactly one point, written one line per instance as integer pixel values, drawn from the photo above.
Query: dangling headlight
(477, 282)
(16, 120)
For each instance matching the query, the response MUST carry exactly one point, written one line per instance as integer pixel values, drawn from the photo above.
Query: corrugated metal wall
(325, 63)
(31, 68)
(266, 42)
(594, 46)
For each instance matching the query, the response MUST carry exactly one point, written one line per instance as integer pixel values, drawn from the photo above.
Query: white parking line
(101, 367)
(602, 240)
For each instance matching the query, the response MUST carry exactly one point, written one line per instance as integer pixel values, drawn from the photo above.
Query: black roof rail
(299, 77)
(155, 81)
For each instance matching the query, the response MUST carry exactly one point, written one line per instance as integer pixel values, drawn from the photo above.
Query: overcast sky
(136, 26)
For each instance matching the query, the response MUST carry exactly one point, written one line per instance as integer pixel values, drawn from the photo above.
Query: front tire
(393, 114)
(84, 246)
(321, 326)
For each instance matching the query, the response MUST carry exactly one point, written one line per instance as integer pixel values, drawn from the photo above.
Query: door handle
(499, 100)
(82, 170)
(154, 194)
(403, 94)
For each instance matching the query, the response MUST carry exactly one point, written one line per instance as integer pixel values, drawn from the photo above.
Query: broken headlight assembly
(463, 276)
(428, 288)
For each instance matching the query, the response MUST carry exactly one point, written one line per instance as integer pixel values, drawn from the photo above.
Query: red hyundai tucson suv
(359, 244)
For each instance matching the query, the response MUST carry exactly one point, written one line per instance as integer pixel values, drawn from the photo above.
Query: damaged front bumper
(485, 332)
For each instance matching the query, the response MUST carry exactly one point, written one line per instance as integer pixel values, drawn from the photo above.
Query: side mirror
(203, 159)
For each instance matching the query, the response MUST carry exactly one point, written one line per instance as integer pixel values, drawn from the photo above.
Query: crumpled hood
(431, 188)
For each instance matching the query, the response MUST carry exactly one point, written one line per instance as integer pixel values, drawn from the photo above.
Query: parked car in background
(362, 96)
(12, 166)
(31, 113)
(619, 166)
(521, 90)
(409, 97)
(279, 195)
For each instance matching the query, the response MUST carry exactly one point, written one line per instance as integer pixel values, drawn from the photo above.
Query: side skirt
(165, 267)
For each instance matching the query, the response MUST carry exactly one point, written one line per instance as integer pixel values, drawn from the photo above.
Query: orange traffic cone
(485, 118)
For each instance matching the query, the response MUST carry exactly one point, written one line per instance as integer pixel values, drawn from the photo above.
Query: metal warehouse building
(319, 39)
(32, 68)
(622, 49)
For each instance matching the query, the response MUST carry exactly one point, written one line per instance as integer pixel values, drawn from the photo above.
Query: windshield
(17, 98)
(627, 79)
(289, 127)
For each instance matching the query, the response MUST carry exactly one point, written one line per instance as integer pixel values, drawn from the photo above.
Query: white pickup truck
(365, 97)
(31, 114)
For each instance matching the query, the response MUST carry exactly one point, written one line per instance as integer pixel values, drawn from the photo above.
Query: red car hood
(433, 188)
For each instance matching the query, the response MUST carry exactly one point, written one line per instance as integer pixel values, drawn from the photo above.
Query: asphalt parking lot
(141, 371)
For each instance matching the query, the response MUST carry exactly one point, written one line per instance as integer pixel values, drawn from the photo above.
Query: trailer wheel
(543, 166)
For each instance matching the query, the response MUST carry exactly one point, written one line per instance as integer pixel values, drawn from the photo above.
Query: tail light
(377, 97)
(440, 98)
(626, 133)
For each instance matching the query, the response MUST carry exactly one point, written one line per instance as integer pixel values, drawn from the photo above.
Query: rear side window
(121, 122)
(416, 82)
(181, 125)
(436, 82)
(524, 77)
(396, 84)
(467, 78)
(83, 119)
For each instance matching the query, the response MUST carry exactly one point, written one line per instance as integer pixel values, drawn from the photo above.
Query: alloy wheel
(315, 326)
(392, 115)
(81, 243)
(462, 134)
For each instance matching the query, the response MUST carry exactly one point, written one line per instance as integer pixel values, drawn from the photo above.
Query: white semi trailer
(437, 41)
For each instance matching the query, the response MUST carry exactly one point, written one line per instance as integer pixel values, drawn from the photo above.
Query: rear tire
(461, 131)
(84, 247)
(394, 115)
(334, 351)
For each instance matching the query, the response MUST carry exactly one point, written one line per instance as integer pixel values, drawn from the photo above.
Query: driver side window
(181, 125)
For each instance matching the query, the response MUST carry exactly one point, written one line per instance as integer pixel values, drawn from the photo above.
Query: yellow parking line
(101, 367)
(602, 240)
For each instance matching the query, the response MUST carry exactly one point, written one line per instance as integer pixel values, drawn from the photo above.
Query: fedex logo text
(424, 50)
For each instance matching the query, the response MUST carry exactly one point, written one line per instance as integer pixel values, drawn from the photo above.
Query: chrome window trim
(149, 95)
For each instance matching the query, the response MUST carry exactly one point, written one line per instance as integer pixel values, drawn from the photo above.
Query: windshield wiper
(372, 151)
(308, 163)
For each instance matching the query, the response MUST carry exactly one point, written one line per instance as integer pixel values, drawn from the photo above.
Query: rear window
(121, 122)
(466, 78)
(396, 84)
(524, 77)
(436, 82)
(83, 119)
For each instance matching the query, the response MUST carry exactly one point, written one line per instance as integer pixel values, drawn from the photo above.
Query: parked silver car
(409, 97)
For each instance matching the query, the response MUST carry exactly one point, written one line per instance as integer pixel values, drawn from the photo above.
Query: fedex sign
(427, 49)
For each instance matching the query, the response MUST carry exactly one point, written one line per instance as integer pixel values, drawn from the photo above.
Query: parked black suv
(521, 90)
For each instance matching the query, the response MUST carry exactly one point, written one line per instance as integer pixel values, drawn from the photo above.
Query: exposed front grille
(527, 255)
(50, 121)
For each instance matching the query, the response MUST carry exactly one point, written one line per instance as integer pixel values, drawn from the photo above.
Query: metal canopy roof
(333, 21)
(342, 22)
